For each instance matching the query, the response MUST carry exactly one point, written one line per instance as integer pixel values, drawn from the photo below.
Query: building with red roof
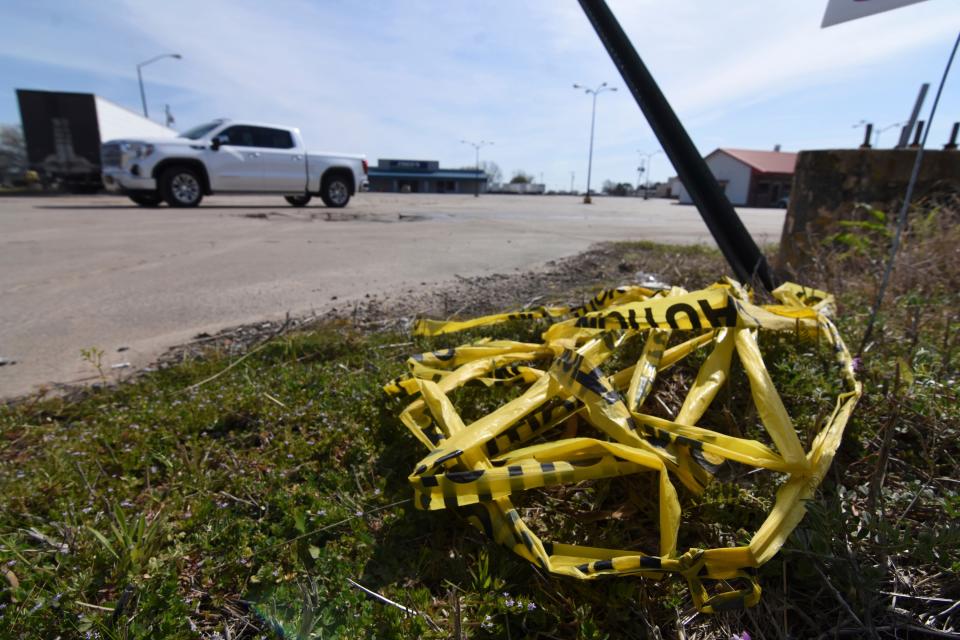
(751, 178)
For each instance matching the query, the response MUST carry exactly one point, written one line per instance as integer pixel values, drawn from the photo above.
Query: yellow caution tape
(482, 464)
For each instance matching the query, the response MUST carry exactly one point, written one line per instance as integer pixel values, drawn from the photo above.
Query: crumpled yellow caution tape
(482, 464)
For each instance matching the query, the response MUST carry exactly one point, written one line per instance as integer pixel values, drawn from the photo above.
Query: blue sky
(411, 79)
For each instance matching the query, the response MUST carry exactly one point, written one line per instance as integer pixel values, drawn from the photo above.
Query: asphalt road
(80, 272)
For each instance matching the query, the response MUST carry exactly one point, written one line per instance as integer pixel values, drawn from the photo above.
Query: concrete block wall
(828, 185)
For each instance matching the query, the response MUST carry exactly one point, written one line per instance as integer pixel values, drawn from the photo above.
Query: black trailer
(63, 132)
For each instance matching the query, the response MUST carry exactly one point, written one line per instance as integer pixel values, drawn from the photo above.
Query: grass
(243, 507)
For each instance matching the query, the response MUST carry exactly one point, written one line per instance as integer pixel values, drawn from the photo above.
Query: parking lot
(82, 272)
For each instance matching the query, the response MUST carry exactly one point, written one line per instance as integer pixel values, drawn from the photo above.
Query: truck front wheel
(181, 187)
(335, 191)
(298, 201)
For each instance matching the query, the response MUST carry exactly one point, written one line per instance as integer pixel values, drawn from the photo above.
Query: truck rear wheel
(335, 191)
(147, 199)
(181, 187)
(298, 201)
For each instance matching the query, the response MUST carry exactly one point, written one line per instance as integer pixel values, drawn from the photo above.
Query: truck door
(238, 164)
(284, 163)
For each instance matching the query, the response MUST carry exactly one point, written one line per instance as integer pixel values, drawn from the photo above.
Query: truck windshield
(201, 130)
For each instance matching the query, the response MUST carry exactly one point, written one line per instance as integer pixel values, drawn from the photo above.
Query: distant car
(227, 156)
(783, 202)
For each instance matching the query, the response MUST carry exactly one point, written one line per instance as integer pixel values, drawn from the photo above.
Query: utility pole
(476, 147)
(143, 95)
(645, 168)
(572, 175)
(640, 170)
(593, 119)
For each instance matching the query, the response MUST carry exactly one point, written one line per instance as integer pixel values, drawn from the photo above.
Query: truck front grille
(111, 155)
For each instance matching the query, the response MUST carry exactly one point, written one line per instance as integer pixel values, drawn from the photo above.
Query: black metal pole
(918, 134)
(732, 237)
(952, 143)
(866, 136)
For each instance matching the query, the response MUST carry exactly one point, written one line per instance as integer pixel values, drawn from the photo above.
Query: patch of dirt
(330, 215)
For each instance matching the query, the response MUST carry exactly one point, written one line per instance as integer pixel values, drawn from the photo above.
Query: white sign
(844, 10)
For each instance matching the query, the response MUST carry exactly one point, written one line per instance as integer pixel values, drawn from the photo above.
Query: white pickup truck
(225, 156)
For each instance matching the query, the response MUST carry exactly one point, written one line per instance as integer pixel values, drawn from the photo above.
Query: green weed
(241, 498)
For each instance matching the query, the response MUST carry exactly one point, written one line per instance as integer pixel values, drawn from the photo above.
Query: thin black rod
(731, 236)
(904, 209)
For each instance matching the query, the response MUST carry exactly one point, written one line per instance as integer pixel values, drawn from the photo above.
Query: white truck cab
(225, 156)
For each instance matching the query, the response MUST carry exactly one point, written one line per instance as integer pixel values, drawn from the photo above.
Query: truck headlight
(144, 150)
(137, 150)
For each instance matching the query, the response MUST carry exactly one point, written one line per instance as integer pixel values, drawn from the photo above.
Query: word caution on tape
(532, 440)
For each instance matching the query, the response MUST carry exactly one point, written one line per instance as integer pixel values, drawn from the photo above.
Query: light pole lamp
(143, 96)
(646, 171)
(878, 131)
(476, 147)
(593, 118)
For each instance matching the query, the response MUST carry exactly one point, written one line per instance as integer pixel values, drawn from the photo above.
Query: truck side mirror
(216, 142)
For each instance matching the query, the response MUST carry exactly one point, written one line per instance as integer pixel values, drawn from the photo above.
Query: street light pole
(646, 171)
(593, 119)
(476, 147)
(143, 95)
(878, 131)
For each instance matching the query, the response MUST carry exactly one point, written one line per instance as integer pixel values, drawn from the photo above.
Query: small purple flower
(740, 636)
(531, 606)
(857, 364)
